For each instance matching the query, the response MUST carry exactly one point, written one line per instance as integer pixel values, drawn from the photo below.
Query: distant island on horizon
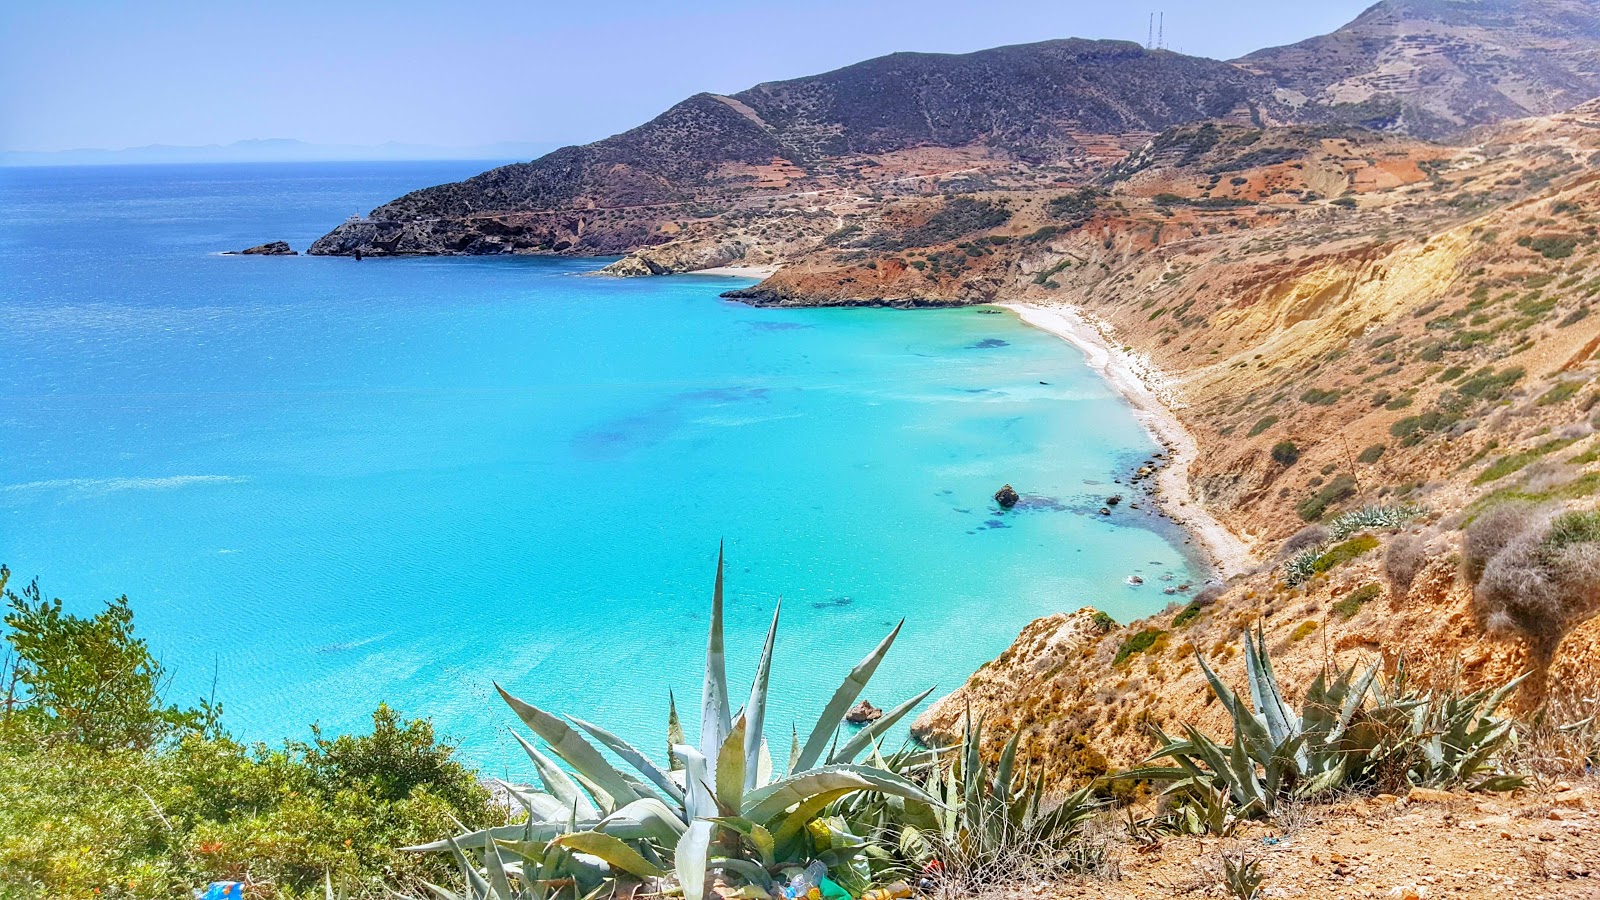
(272, 150)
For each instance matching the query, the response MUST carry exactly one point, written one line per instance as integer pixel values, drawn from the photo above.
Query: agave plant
(1336, 740)
(1370, 517)
(720, 806)
(985, 818)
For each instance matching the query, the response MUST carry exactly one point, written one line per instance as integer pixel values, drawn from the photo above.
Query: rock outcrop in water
(863, 713)
(273, 248)
(1007, 497)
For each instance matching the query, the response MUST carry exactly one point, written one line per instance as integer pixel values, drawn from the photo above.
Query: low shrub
(1306, 538)
(1371, 455)
(1285, 453)
(1137, 643)
(1336, 491)
(1343, 552)
(1403, 559)
(1537, 573)
(1262, 424)
(1352, 602)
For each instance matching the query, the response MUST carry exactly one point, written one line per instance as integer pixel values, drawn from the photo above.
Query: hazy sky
(81, 73)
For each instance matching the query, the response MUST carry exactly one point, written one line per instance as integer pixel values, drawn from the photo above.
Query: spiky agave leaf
(578, 753)
(868, 734)
(558, 783)
(843, 698)
(674, 732)
(763, 804)
(756, 708)
(633, 757)
(616, 853)
(715, 719)
(730, 774)
(692, 854)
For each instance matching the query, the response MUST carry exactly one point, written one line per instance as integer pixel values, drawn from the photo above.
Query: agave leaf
(763, 765)
(763, 804)
(745, 869)
(699, 802)
(616, 854)
(441, 893)
(843, 699)
(540, 806)
(795, 821)
(647, 819)
(495, 866)
(1230, 700)
(1003, 770)
(730, 768)
(1352, 702)
(756, 708)
(558, 783)
(794, 750)
(715, 720)
(531, 851)
(1264, 693)
(475, 882)
(674, 732)
(691, 853)
(633, 757)
(568, 744)
(863, 738)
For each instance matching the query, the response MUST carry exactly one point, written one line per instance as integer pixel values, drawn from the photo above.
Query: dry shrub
(1404, 558)
(1543, 578)
(1492, 531)
(1561, 740)
(1304, 539)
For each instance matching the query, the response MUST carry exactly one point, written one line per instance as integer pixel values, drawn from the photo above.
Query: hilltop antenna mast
(1150, 33)
(1161, 33)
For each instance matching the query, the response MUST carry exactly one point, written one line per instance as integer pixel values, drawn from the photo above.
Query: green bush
(1353, 601)
(1562, 392)
(1188, 614)
(1515, 462)
(1262, 424)
(1341, 488)
(1550, 246)
(1285, 453)
(1137, 643)
(1371, 454)
(113, 796)
(1343, 552)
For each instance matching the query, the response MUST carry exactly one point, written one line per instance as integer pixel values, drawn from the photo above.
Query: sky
(87, 73)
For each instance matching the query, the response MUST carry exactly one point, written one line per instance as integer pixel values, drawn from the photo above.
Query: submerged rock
(273, 248)
(1007, 497)
(863, 713)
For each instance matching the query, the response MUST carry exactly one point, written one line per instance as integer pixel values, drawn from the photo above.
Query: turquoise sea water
(328, 483)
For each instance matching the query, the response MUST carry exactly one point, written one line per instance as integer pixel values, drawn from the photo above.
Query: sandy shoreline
(1152, 404)
(737, 271)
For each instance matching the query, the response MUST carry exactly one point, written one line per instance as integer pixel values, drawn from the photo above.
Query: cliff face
(1430, 346)
(1438, 67)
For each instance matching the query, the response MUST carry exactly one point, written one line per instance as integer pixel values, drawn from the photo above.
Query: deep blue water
(331, 483)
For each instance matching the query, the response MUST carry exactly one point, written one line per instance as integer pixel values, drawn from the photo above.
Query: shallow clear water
(331, 483)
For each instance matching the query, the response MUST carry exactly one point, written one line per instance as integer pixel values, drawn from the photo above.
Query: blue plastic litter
(222, 890)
